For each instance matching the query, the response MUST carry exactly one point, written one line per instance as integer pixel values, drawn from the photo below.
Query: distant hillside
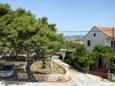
(74, 37)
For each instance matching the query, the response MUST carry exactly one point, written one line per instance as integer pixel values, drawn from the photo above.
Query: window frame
(88, 42)
(94, 34)
(112, 43)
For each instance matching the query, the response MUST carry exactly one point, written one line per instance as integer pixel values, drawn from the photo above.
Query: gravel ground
(18, 83)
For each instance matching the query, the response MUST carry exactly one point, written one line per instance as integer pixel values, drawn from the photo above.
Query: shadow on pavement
(11, 82)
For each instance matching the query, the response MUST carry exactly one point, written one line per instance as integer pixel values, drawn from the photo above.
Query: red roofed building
(99, 36)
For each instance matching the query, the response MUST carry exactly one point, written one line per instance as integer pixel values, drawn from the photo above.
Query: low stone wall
(24, 77)
(47, 77)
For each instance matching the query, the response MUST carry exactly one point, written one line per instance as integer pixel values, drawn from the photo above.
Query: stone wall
(47, 77)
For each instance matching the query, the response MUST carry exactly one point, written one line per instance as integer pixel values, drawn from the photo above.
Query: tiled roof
(108, 31)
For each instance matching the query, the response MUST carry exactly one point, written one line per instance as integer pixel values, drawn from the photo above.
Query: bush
(112, 68)
(80, 56)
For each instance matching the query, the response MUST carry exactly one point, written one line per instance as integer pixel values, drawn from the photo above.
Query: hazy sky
(71, 15)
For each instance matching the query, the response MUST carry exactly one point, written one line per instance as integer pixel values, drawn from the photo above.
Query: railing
(99, 72)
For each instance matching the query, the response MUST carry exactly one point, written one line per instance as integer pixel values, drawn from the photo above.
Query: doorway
(100, 63)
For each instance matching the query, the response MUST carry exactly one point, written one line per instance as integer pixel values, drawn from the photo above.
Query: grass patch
(57, 68)
(37, 68)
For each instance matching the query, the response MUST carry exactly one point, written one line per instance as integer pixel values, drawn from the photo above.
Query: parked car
(7, 70)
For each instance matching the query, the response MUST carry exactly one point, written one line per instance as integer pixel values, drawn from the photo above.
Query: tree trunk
(43, 63)
(29, 72)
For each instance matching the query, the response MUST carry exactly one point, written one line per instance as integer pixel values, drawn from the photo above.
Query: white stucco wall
(99, 39)
(108, 41)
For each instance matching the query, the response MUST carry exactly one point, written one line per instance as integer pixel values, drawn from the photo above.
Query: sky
(71, 15)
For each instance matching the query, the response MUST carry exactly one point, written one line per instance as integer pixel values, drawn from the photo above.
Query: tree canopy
(22, 32)
(102, 51)
(79, 55)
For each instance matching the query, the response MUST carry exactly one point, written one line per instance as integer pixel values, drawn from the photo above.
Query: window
(88, 42)
(94, 34)
(112, 43)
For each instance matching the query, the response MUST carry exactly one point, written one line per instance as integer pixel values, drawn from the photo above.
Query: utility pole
(113, 44)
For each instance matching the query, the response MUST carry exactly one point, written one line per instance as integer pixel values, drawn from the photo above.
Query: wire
(86, 31)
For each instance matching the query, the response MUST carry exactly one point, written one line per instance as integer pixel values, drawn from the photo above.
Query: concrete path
(81, 79)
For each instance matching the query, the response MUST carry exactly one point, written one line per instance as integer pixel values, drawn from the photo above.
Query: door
(100, 64)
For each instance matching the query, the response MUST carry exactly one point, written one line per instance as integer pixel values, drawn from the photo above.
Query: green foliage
(22, 32)
(102, 51)
(20, 11)
(67, 45)
(112, 68)
(4, 9)
(83, 56)
(79, 55)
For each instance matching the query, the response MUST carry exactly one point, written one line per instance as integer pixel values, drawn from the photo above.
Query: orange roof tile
(108, 31)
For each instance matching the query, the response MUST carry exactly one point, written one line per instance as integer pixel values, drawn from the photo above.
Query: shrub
(112, 68)
(80, 56)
